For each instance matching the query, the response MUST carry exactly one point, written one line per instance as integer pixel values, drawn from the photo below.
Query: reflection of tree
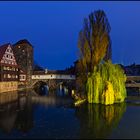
(97, 121)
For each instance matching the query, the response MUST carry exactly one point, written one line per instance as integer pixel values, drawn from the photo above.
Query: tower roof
(23, 41)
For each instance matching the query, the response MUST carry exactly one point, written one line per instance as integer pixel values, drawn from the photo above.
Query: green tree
(94, 45)
(102, 81)
(94, 40)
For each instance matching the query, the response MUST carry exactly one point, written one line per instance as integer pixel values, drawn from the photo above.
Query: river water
(53, 116)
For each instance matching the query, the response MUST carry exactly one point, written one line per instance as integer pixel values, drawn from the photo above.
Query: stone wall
(8, 86)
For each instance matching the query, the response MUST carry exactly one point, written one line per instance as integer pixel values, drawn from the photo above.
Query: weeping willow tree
(102, 81)
(106, 84)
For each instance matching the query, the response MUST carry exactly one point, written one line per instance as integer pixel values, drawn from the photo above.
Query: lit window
(9, 76)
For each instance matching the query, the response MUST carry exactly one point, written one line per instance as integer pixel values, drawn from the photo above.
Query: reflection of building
(17, 114)
(23, 51)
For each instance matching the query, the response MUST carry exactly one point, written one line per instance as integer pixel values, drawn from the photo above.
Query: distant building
(132, 70)
(8, 64)
(23, 51)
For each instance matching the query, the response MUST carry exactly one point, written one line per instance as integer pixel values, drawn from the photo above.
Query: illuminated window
(9, 76)
(4, 75)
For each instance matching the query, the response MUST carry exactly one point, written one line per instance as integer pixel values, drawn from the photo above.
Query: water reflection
(15, 112)
(98, 121)
(17, 109)
(53, 116)
(24, 120)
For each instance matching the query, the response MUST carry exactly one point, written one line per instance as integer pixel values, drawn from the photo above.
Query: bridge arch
(39, 87)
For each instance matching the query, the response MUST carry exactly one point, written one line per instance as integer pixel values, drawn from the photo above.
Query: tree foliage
(94, 45)
(105, 82)
(94, 40)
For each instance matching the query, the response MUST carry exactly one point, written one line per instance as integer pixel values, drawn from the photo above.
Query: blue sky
(53, 27)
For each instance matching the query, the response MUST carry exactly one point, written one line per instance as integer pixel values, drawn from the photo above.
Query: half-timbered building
(8, 64)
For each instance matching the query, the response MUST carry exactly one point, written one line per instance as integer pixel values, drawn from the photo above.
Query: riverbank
(10, 86)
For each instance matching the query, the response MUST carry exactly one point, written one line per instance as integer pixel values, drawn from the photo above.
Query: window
(9, 76)
(4, 75)
(18, 46)
(4, 68)
(8, 68)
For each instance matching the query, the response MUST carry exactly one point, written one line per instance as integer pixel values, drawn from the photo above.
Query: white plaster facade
(8, 57)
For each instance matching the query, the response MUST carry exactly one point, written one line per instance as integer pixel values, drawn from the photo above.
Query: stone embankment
(8, 86)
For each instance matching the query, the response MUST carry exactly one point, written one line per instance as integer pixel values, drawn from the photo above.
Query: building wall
(8, 73)
(8, 86)
(24, 57)
(8, 66)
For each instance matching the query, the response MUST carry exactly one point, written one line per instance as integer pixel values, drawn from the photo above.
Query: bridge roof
(51, 72)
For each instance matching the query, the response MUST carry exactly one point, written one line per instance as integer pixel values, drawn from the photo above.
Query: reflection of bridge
(53, 80)
(51, 100)
(133, 81)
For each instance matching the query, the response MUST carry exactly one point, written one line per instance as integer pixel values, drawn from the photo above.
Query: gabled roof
(3, 49)
(23, 41)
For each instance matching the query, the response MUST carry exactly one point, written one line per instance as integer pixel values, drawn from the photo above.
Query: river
(53, 116)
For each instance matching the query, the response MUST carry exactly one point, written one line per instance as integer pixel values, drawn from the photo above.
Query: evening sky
(53, 27)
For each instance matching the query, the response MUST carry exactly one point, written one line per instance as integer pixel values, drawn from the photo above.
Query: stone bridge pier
(53, 83)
